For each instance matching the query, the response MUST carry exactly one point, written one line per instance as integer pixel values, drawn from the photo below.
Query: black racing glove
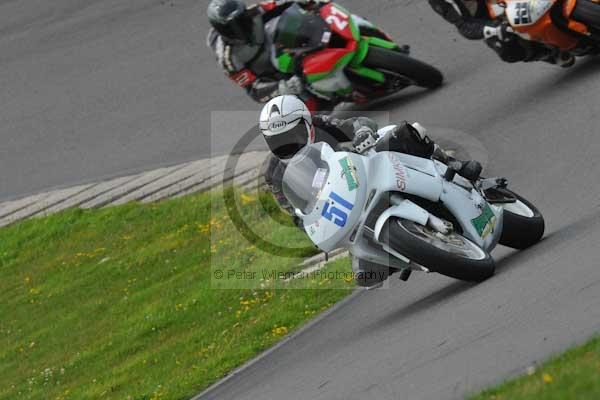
(446, 10)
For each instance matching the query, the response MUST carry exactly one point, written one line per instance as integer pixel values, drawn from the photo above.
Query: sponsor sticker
(319, 179)
(349, 172)
(399, 172)
(275, 126)
(485, 223)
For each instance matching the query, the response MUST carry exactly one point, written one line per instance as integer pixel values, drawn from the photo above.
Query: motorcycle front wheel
(452, 255)
(417, 72)
(523, 223)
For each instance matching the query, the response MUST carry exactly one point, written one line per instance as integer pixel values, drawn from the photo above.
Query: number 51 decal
(334, 214)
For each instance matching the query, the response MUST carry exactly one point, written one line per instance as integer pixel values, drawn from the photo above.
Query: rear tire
(587, 13)
(397, 235)
(420, 73)
(521, 231)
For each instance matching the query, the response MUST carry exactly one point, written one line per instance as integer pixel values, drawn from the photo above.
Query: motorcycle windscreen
(304, 178)
(299, 30)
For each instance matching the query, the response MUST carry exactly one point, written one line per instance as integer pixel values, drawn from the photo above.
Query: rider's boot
(469, 169)
(563, 59)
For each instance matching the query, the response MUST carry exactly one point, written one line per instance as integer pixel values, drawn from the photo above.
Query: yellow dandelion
(547, 378)
(246, 199)
(279, 331)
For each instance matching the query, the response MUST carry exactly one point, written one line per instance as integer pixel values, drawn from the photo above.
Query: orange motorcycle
(568, 26)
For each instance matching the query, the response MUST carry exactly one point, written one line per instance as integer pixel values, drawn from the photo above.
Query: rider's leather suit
(250, 65)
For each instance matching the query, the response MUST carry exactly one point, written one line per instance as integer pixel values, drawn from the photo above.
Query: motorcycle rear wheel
(587, 12)
(419, 73)
(451, 255)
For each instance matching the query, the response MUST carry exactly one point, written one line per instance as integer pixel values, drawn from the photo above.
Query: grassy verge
(119, 303)
(572, 375)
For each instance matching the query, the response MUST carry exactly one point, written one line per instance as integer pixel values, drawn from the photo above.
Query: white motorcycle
(406, 212)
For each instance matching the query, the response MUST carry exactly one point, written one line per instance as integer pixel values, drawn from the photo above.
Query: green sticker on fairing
(349, 172)
(485, 223)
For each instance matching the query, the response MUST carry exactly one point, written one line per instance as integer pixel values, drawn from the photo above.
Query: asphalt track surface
(92, 89)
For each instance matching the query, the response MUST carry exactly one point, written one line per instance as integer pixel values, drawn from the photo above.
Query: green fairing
(382, 43)
(317, 77)
(355, 59)
(361, 53)
(343, 92)
(369, 73)
(285, 63)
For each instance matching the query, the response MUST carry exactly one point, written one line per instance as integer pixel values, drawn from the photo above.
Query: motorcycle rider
(242, 39)
(476, 20)
(287, 126)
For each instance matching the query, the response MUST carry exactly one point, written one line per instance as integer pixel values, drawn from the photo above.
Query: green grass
(121, 303)
(572, 375)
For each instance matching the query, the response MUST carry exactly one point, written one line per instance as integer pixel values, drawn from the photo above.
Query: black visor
(287, 144)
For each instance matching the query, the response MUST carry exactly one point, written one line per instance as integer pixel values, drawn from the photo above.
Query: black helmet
(230, 19)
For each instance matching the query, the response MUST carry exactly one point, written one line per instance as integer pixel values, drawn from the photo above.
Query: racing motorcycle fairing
(480, 221)
(422, 178)
(338, 195)
(533, 21)
(340, 22)
(335, 45)
(333, 187)
(536, 20)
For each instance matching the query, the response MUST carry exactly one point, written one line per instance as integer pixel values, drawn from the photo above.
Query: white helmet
(286, 125)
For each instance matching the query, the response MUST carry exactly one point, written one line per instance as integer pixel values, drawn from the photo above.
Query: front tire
(419, 73)
(452, 255)
(523, 224)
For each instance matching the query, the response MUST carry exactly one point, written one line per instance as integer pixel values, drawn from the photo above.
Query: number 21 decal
(334, 214)
(337, 18)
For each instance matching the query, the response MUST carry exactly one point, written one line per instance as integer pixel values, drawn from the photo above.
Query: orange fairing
(546, 32)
